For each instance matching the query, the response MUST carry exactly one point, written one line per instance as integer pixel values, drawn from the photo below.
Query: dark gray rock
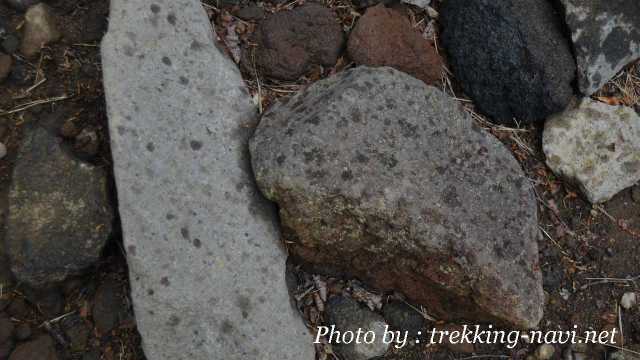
(403, 317)
(347, 315)
(108, 306)
(606, 37)
(510, 56)
(55, 228)
(384, 178)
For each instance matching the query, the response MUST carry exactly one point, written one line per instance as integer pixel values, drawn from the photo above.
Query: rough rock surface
(384, 37)
(511, 57)
(606, 37)
(596, 146)
(39, 29)
(384, 178)
(55, 228)
(206, 264)
(404, 318)
(288, 44)
(347, 315)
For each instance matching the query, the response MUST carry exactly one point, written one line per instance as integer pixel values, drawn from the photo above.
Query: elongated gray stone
(606, 38)
(205, 261)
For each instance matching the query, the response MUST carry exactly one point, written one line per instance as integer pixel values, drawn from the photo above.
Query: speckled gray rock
(347, 315)
(382, 177)
(597, 146)
(606, 37)
(206, 264)
(55, 228)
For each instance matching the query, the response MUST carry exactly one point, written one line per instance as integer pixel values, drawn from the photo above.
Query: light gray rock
(606, 37)
(596, 146)
(419, 3)
(60, 215)
(628, 300)
(348, 316)
(40, 29)
(381, 177)
(206, 264)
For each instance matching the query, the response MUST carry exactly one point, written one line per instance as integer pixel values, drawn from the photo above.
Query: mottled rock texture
(206, 264)
(384, 178)
(510, 56)
(60, 215)
(596, 146)
(606, 37)
(291, 43)
(384, 37)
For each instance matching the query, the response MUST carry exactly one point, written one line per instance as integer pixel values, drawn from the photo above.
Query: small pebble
(545, 352)
(629, 300)
(87, 142)
(39, 29)
(70, 129)
(3, 150)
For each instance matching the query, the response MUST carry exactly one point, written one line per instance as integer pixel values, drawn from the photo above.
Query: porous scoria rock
(384, 178)
(60, 215)
(384, 37)
(288, 44)
(606, 37)
(39, 29)
(510, 56)
(596, 146)
(206, 264)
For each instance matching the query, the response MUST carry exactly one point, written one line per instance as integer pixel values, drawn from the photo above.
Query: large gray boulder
(382, 177)
(606, 37)
(60, 214)
(206, 264)
(596, 146)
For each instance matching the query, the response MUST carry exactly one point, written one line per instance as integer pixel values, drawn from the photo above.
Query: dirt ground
(589, 254)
